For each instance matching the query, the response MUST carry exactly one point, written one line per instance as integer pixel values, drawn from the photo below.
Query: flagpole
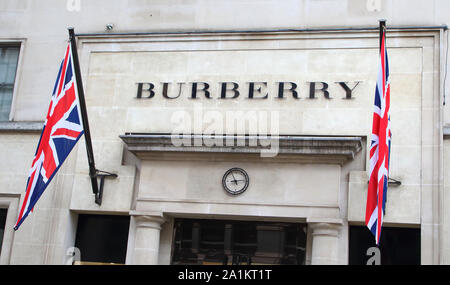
(87, 133)
(382, 30)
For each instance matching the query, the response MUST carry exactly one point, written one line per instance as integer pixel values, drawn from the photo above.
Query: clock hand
(235, 181)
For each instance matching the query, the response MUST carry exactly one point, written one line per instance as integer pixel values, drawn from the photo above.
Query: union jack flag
(63, 127)
(379, 148)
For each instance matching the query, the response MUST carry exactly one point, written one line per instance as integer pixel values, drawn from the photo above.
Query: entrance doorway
(238, 242)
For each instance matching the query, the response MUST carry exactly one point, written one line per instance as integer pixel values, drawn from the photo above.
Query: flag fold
(62, 129)
(379, 148)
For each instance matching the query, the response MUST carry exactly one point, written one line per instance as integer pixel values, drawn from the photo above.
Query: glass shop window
(3, 213)
(102, 239)
(9, 56)
(222, 242)
(398, 246)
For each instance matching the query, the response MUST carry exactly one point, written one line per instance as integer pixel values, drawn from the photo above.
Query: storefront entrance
(238, 242)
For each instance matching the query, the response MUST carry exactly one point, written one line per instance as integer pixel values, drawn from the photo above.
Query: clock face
(235, 181)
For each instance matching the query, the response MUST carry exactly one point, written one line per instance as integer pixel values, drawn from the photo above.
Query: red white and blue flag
(379, 148)
(63, 127)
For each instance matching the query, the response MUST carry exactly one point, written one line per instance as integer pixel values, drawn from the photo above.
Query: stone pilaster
(324, 243)
(146, 238)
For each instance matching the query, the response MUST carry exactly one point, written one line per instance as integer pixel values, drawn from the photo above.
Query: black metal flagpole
(93, 171)
(382, 31)
(383, 35)
(87, 133)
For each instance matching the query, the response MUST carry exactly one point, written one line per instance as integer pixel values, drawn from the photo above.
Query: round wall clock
(235, 181)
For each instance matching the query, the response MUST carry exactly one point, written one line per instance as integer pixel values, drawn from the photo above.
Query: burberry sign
(251, 90)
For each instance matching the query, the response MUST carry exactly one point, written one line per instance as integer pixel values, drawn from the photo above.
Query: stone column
(324, 243)
(146, 239)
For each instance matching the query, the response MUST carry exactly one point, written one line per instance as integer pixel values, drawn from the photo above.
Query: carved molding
(311, 149)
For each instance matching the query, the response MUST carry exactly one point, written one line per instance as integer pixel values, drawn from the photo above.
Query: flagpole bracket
(102, 175)
(394, 182)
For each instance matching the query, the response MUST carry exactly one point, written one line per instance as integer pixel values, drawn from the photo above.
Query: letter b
(225, 90)
(149, 90)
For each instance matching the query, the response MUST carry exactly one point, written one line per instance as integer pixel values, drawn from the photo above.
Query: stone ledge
(446, 132)
(334, 221)
(31, 126)
(331, 149)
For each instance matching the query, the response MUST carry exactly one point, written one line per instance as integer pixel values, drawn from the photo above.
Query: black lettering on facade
(313, 89)
(348, 90)
(142, 88)
(166, 87)
(256, 90)
(204, 90)
(252, 90)
(224, 90)
(292, 89)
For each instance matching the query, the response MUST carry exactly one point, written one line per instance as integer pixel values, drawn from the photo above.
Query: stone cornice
(306, 148)
(12, 126)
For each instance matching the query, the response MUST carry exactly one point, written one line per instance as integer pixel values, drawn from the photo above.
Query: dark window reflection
(102, 238)
(3, 213)
(397, 246)
(238, 242)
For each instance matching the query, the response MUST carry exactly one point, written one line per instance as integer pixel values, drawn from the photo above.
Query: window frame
(19, 42)
(11, 203)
